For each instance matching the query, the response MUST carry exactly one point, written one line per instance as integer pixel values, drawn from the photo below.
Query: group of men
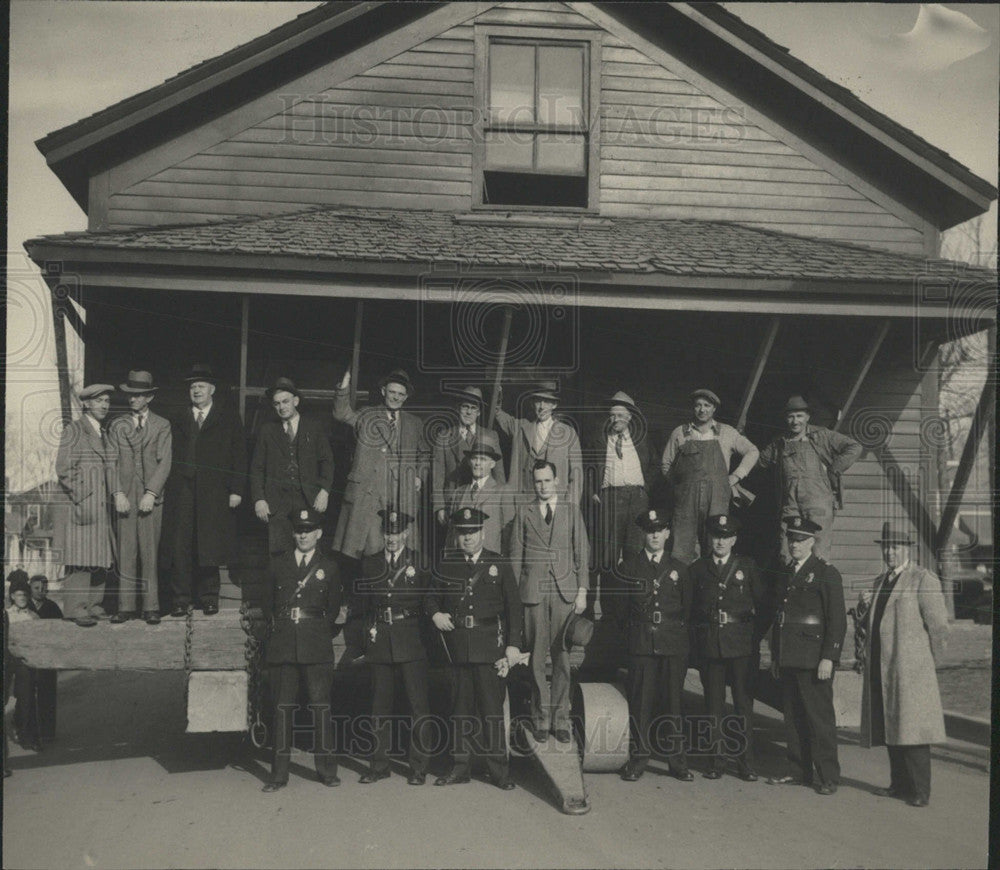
(519, 562)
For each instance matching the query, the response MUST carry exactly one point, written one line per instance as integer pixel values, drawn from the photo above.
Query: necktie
(475, 487)
(618, 445)
(288, 430)
(302, 559)
(199, 417)
(138, 422)
(654, 560)
(548, 514)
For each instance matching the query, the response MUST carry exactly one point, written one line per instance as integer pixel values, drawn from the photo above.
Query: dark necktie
(548, 514)
(288, 430)
(138, 422)
(199, 417)
(475, 487)
(618, 445)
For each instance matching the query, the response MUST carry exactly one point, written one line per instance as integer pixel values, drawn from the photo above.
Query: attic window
(536, 137)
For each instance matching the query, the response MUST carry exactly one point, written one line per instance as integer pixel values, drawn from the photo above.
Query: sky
(934, 69)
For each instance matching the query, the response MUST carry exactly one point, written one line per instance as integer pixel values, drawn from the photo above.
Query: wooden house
(661, 196)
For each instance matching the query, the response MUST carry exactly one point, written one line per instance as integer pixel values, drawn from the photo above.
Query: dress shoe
(889, 791)
(273, 786)
(563, 735)
(919, 800)
(505, 784)
(85, 621)
(540, 734)
(452, 779)
(151, 617)
(747, 774)
(784, 780)
(374, 776)
(683, 775)
(210, 609)
(179, 610)
(713, 773)
(97, 611)
(632, 772)
(123, 616)
(330, 781)
(826, 788)
(416, 778)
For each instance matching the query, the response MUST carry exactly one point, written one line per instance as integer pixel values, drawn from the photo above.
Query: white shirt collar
(304, 558)
(895, 572)
(474, 558)
(723, 560)
(651, 555)
(204, 411)
(552, 501)
(94, 423)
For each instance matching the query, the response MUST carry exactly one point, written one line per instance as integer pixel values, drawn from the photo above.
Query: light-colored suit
(550, 563)
(143, 465)
(87, 471)
(561, 448)
(494, 500)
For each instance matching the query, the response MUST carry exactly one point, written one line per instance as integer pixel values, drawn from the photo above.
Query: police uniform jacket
(308, 640)
(727, 607)
(811, 620)
(487, 593)
(392, 602)
(658, 605)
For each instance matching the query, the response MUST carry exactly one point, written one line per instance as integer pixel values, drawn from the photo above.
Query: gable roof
(395, 239)
(924, 177)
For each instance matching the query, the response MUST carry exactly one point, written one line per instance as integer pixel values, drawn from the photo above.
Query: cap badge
(722, 521)
(304, 515)
(652, 515)
(797, 522)
(467, 514)
(393, 517)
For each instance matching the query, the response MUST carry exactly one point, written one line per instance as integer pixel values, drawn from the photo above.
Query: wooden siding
(400, 135)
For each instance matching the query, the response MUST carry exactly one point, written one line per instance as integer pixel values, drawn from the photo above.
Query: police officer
(728, 608)
(806, 641)
(475, 606)
(302, 599)
(390, 595)
(657, 594)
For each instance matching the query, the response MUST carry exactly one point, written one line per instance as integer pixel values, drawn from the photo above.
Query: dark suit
(288, 474)
(483, 602)
(302, 649)
(209, 465)
(726, 615)
(392, 601)
(657, 613)
(809, 626)
(550, 563)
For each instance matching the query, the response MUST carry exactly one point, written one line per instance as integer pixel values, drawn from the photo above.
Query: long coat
(914, 633)
(561, 448)
(144, 458)
(86, 467)
(450, 468)
(215, 459)
(544, 556)
(384, 470)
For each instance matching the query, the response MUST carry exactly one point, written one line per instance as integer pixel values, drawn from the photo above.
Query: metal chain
(253, 653)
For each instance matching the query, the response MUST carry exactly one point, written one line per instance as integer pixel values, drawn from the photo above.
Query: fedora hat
(469, 394)
(577, 631)
(286, 385)
(545, 390)
(708, 395)
(397, 376)
(625, 400)
(487, 444)
(138, 382)
(892, 534)
(796, 403)
(201, 372)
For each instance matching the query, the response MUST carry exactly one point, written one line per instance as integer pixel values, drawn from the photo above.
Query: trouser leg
(740, 670)
(686, 526)
(46, 695)
(208, 585)
(128, 559)
(713, 682)
(98, 583)
(899, 778)
(821, 721)
(76, 591)
(641, 695)
(916, 760)
(796, 733)
(559, 692)
(149, 547)
(463, 720)
(490, 691)
(415, 685)
(185, 548)
(670, 734)
(382, 683)
(25, 704)
(536, 632)
(286, 688)
(319, 678)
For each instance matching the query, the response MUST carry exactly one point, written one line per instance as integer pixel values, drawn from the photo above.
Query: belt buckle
(781, 619)
(295, 614)
(723, 617)
(470, 622)
(387, 615)
(657, 617)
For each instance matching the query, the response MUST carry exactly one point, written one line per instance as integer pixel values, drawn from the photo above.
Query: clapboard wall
(401, 133)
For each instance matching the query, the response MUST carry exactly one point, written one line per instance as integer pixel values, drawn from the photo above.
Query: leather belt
(387, 616)
(473, 622)
(724, 618)
(804, 620)
(657, 617)
(295, 614)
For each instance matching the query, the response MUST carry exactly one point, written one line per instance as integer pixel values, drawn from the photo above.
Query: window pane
(560, 153)
(560, 85)
(508, 150)
(512, 83)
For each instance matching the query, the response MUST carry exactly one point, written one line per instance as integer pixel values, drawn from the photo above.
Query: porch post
(758, 369)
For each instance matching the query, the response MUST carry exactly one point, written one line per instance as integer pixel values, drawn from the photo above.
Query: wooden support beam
(859, 379)
(763, 353)
(359, 311)
(508, 314)
(980, 423)
(62, 356)
(244, 341)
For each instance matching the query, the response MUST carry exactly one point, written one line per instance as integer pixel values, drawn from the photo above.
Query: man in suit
(291, 468)
(86, 467)
(390, 594)
(484, 493)
(204, 490)
(907, 632)
(618, 493)
(449, 463)
(808, 462)
(475, 606)
(549, 559)
(728, 616)
(543, 438)
(143, 443)
(658, 607)
(806, 641)
(302, 601)
(696, 461)
(390, 465)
